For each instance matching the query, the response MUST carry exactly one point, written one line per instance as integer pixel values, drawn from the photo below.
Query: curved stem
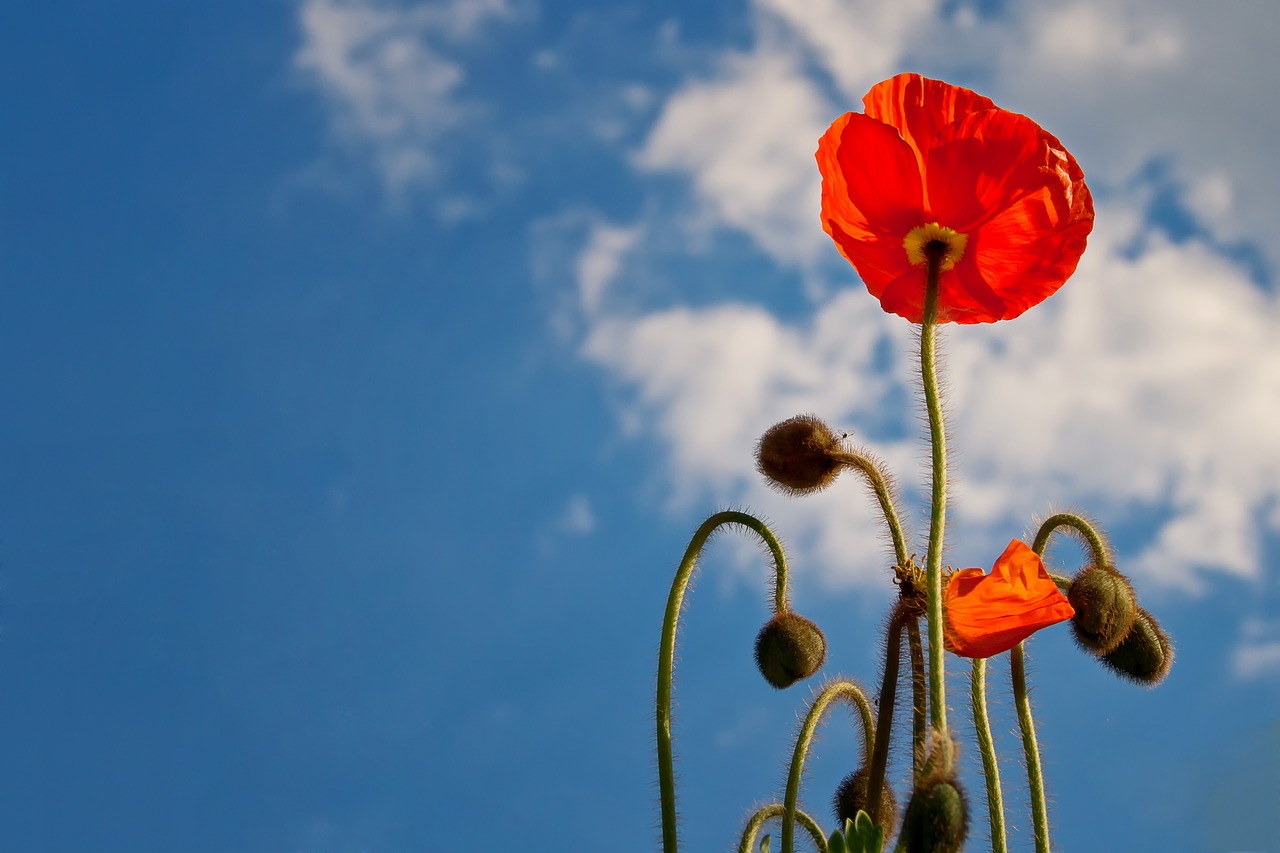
(1098, 547)
(938, 503)
(884, 720)
(918, 701)
(849, 692)
(1035, 778)
(883, 489)
(758, 820)
(986, 745)
(667, 652)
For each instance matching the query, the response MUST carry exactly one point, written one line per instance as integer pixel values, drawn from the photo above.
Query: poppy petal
(920, 108)
(990, 614)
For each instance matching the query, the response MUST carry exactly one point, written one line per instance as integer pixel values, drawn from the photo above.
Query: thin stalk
(884, 495)
(667, 652)
(884, 722)
(919, 731)
(987, 746)
(849, 692)
(1035, 778)
(938, 503)
(758, 820)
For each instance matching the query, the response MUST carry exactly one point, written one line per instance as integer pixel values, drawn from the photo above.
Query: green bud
(1105, 606)
(937, 819)
(789, 648)
(1146, 653)
(797, 455)
(851, 798)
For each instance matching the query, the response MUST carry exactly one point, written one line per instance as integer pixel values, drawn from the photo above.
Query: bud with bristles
(851, 798)
(937, 819)
(789, 648)
(1105, 608)
(798, 455)
(1146, 653)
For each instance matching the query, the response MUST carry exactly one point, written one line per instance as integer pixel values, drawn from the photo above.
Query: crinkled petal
(990, 614)
(920, 108)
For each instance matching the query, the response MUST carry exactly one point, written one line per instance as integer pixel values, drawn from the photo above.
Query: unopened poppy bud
(1145, 655)
(797, 455)
(937, 819)
(1105, 608)
(851, 798)
(789, 648)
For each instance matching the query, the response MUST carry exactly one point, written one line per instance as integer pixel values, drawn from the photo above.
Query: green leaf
(764, 844)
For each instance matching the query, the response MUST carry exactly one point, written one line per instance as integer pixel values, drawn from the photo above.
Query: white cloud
(600, 262)
(578, 518)
(1258, 653)
(390, 87)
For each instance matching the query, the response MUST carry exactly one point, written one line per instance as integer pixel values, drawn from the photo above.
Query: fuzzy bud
(851, 798)
(797, 455)
(937, 819)
(1146, 653)
(1105, 606)
(789, 648)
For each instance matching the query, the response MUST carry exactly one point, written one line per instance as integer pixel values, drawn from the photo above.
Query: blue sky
(367, 365)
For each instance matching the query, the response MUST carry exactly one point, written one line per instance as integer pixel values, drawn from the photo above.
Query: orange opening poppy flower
(928, 162)
(990, 614)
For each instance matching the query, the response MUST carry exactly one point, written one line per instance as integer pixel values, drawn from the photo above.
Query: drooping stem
(667, 652)
(758, 820)
(1098, 547)
(884, 722)
(842, 689)
(986, 745)
(918, 701)
(883, 490)
(938, 503)
(1035, 778)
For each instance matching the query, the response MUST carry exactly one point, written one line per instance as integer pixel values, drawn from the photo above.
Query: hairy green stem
(667, 652)
(938, 502)
(880, 484)
(1035, 778)
(987, 746)
(758, 820)
(884, 720)
(918, 702)
(836, 690)
(1098, 547)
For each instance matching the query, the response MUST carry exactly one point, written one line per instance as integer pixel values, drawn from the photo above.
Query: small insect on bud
(797, 455)
(851, 798)
(789, 648)
(1105, 606)
(1145, 655)
(937, 819)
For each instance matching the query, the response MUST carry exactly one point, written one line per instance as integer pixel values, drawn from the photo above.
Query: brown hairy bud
(797, 455)
(789, 648)
(851, 798)
(1105, 608)
(1145, 655)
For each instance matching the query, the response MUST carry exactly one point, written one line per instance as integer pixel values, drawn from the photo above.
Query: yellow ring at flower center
(943, 239)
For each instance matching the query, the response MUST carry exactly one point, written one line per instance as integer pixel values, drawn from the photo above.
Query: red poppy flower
(929, 161)
(990, 614)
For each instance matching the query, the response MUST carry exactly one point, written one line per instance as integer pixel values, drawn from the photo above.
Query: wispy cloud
(1257, 655)
(1140, 391)
(391, 88)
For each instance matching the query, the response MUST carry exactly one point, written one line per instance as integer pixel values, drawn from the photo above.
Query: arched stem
(1097, 544)
(1035, 777)
(987, 746)
(938, 502)
(882, 487)
(667, 652)
(758, 820)
(837, 690)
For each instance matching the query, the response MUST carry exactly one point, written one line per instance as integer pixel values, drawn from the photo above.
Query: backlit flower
(928, 162)
(990, 614)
